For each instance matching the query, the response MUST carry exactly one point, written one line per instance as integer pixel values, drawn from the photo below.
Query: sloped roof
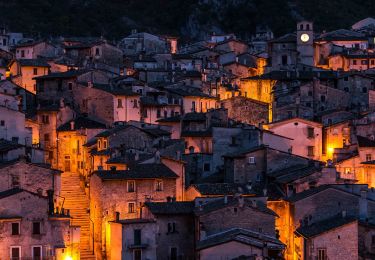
(139, 171)
(240, 235)
(320, 227)
(33, 63)
(81, 123)
(63, 75)
(6, 145)
(341, 35)
(220, 203)
(171, 208)
(114, 90)
(290, 37)
(365, 142)
(222, 189)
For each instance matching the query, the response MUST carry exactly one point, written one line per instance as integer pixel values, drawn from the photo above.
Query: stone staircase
(77, 202)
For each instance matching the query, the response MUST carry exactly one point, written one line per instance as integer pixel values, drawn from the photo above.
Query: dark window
(97, 51)
(165, 113)
(37, 253)
(207, 167)
(131, 207)
(131, 186)
(364, 90)
(137, 255)
(310, 151)
(284, 60)
(322, 98)
(158, 113)
(172, 227)
(310, 93)
(301, 26)
(308, 104)
(2, 123)
(4, 42)
(119, 103)
(354, 62)
(308, 27)
(137, 237)
(173, 253)
(135, 103)
(15, 253)
(35, 71)
(364, 62)
(23, 54)
(70, 85)
(46, 137)
(310, 132)
(59, 85)
(36, 228)
(15, 228)
(193, 106)
(372, 62)
(346, 89)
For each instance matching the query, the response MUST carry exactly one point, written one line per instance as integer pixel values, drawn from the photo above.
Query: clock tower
(305, 43)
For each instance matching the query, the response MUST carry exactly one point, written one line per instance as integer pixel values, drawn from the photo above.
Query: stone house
(221, 221)
(35, 50)
(247, 110)
(232, 45)
(57, 85)
(144, 42)
(124, 192)
(335, 135)
(10, 151)
(71, 136)
(33, 177)
(49, 118)
(202, 191)
(32, 228)
(107, 103)
(306, 135)
(23, 72)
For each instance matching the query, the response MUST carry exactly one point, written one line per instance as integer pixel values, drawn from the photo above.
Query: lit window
(159, 185)
(368, 157)
(131, 207)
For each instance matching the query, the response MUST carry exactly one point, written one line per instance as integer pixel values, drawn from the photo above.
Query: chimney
(117, 216)
(50, 201)
(71, 125)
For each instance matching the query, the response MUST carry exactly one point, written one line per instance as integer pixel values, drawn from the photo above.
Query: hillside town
(153, 148)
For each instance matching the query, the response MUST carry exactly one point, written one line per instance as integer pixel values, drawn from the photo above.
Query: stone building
(32, 228)
(124, 192)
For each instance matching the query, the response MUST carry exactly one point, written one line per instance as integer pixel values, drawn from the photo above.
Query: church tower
(305, 43)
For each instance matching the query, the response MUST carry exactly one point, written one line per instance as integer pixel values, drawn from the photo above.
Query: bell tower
(305, 43)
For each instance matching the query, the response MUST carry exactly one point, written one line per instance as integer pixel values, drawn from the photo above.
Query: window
(59, 85)
(70, 86)
(158, 113)
(251, 160)
(301, 27)
(99, 144)
(284, 60)
(137, 254)
(119, 103)
(322, 98)
(310, 150)
(45, 119)
(368, 157)
(35, 71)
(22, 54)
(2, 123)
(15, 228)
(310, 93)
(193, 106)
(105, 144)
(207, 167)
(310, 132)
(347, 170)
(373, 240)
(15, 181)
(364, 90)
(364, 62)
(36, 228)
(322, 254)
(131, 207)
(308, 27)
(37, 252)
(159, 185)
(15, 252)
(5, 42)
(137, 237)
(135, 103)
(172, 227)
(354, 62)
(173, 253)
(131, 186)
(97, 52)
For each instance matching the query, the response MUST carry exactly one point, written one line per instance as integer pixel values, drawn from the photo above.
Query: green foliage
(110, 18)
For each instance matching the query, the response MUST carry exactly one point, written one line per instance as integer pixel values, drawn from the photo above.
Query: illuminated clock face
(305, 37)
